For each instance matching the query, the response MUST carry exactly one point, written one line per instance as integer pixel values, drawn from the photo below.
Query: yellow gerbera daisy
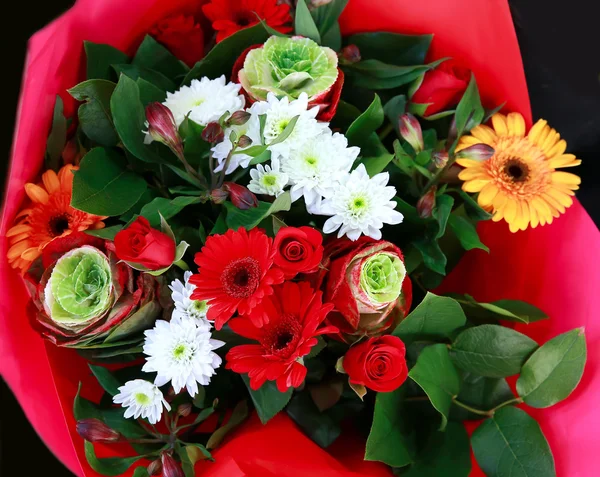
(520, 183)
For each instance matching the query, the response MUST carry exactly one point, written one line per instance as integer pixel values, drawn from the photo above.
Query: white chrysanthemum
(142, 399)
(181, 351)
(221, 150)
(267, 179)
(360, 205)
(317, 166)
(205, 100)
(181, 294)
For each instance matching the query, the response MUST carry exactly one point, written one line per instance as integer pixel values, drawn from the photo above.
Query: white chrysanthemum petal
(141, 398)
(268, 180)
(181, 294)
(221, 150)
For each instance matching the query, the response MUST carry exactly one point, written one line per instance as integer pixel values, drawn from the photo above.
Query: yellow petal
(510, 210)
(469, 163)
(565, 178)
(31, 254)
(516, 125)
(536, 130)
(554, 204)
(18, 229)
(499, 201)
(524, 216)
(558, 149)
(563, 199)
(485, 134)
(36, 193)
(466, 141)
(472, 173)
(487, 194)
(551, 140)
(498, 216)
(499, 124)
(564, 160)
(475, 185)
(543, 210)
(51, 182)
(533, 217)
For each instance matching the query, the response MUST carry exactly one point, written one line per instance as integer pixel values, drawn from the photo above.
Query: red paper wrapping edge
(554, 267)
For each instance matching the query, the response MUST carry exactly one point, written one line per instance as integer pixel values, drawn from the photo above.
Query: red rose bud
(244, 141)
(477, 152)
(377, 363)
(170, 467)
(299, 250)
(350, 54)
(184, 410)
(162, 127)
(213, 133)
(239, 118)
(426, 204)
(141, 244)
(94, 430)
(182, 36)
(440, 159)
(240, 196)
(411, 132)
(155, 467)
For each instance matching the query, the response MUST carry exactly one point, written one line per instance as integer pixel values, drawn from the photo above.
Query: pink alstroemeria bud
(170, 467)
(239, 118)
(426, 204)
(213, 133)
(477, 152)
(163, 128)
(155, 467)
(184, 410)
(218, 196)
(411, 132)
(94, 430)
(244, 141)
(350, 54)
(440, 159)
(240, 196)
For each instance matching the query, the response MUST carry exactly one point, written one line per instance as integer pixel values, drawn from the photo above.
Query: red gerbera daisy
(235, 273)
(229, 16)
(295, 313)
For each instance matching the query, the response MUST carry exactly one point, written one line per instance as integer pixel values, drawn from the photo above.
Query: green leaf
(492, 350)
(326, 16)
(392, 48)
(367, 123)
(107, 233)
(94, 114)
(154, 56)
(267, 400)
(141, 320)
(436, 375)
(108, 382)
(222, 56)
(250, 218)
(554, 370)
(304, 25)
(316, 349)
(389, 440)
(110, 466)
(103, 186)
(149, 93)
(510, 310)
(481, 393)
(511, 444)
(472, 208)
(435, 318)
(84, 409)
(167, 208)
(141, 472)
(186, 464)
(100, 59)
(469, 111)
(466, 233)
(239, 415)
(57, 137)
(136, 72)
(319, 426)
(395, 108)
(375, 74)
(442, 211)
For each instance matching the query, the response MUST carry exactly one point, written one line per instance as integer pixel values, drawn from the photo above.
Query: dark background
(559, 43)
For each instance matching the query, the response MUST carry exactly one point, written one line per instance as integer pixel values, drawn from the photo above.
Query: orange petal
(16, 250)
(36, 193)
(18, 229)
(51, 182)
(516, 124)
(65, 176)
(31, 254)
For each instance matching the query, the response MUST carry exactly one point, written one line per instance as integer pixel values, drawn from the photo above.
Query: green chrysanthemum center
(179, 351)
(381, 277)
(199, 307)
(142, 399)
(269, 179)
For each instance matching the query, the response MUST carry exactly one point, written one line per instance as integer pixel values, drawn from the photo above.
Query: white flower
(181, 351)
(360, 205)
(317, 166)
(267, 179)
(141, 398)
(181, 294)
(221, 150)
(205, 100)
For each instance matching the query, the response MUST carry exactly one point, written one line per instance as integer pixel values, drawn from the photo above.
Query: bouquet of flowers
(250, 212)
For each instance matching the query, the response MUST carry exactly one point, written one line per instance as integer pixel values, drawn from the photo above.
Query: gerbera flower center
(281, 337)
(241, 277)
(58, 224)
(245, 18)
(516, 170)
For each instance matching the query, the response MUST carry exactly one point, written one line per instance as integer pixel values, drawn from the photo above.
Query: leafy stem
(436, 178)
(491, 412)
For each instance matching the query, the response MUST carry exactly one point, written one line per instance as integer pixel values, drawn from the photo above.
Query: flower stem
(181, 264)
(436, 178)
(386, 131)
(517, 400)
(471, 409)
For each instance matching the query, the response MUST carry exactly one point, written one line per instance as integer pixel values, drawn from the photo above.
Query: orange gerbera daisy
(49, 216)
(520, 183)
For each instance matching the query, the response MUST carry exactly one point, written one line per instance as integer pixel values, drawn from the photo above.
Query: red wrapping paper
(554, 267)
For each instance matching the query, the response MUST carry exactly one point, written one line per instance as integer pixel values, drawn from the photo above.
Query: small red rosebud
(440, 159)
(244, 141)
(218, 196)
(184, 410)
(411, 132)
(94, 430)
(170, 467)
(163, 128)
(155, 467)
(477, 152)
(239, 118)
(426, 204)
(213, 133)
(71, 153)
(350, 54)
(240, 196)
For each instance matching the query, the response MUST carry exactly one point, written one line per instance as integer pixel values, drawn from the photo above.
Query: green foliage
(392, 48)
(480, 393)
(366, 124)
(304, 24)
(469, 112)
(57, 137)
(167, 208)
(250, 218)
(326, 18)
(100, 59)
(466, 233)
(377, 75)
(152, 55)
(106, 379)
(109, 466)
(318, 426)
(267, 400)
(509, 310)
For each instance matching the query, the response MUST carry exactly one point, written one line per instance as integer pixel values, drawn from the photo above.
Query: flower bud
(218, 196)
(440, 159)
(162, 127)
(155, 467)
(94, 430)
(239, 118)
(426, 204)
(184, 410)
(411, 132)
(240, 196)
(350, 54)
(244, 141)
(71, 153)
(452, 133)
(213, 133)
(477, 152)
(170, 467)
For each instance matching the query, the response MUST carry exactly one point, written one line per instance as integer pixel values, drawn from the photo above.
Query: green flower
(289, 67)
(381, 278)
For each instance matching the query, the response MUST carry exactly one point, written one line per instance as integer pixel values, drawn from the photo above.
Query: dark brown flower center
(58, 224)
(241, 277)
(245, 18)
(516, 170)
(280, 337)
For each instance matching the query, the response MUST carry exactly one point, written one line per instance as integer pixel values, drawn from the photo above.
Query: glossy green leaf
(154, 77)
(239, 415)
(480, 393)
(57, 137)
(326, 17)
(392, 48)
(167, 208)
(154, 56)
(469, 111)
(250, 218)
(395, 108)
(149, 93)
(109, 466)
(106, 379)
(510, 310)
(304, 24)
(141, 472)
(141, 320)
(100, 58)
(319, 426)
(472, 208)
(442, 212)
(367, 123)
(466, 233)
(267, 400)
(376, 75)
(433, 256)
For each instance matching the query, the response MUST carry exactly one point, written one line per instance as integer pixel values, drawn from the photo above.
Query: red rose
(442, 87)
(141, 244)
(182, 36)
(377, 363)
(299, 250)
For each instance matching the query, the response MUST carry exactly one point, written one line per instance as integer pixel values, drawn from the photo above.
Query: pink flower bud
(426, 204)
(213, 133)
(411, 132)
(239, 118)
(170, 467)
(94, 430)
(477, 152)
(244, 141)
(184, 410)
(218, 196)
(162, 127)
(350, 54)
(155, 467)
(440, 159)
(240, 196)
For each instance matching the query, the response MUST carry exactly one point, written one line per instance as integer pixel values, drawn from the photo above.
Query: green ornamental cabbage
(381, 278)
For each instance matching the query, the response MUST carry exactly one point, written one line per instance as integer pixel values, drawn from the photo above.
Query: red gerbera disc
(295, 313)
(235, 273)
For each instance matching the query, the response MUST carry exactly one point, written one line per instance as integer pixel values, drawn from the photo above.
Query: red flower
(182, 36)
(442, 87)
(141, 244)
(235, 273)
(377, 363)
(299, 250)
(229, 16)
(295, 313)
